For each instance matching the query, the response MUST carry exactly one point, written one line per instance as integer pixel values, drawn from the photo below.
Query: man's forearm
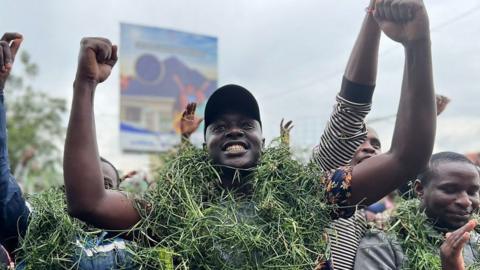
(414, 133)
(346, 130)
(363, 61)
(13, 209)
(83, 177)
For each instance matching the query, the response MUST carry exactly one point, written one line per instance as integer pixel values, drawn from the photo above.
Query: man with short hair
(449, 194)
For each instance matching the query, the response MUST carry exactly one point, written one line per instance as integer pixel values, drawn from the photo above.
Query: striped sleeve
(344, 237)
(344, 133)
(346, 130)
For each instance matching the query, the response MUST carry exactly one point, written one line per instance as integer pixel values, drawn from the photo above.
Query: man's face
(370, 147)
(234, 140)
(452, 194)
(109, 176)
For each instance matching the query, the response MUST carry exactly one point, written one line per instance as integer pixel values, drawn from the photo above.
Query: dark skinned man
(449, 194)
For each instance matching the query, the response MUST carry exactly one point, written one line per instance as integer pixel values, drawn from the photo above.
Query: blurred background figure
(135, 182)
(23, 168)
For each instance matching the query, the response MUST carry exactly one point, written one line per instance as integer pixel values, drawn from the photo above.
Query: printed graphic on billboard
(161, 71)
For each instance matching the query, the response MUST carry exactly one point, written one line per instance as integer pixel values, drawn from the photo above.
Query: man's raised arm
(404, 21)
(87, 198)
(346, 130)
(13, 209)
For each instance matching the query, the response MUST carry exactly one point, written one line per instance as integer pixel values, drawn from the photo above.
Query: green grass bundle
(419, 240)
(278, 225)
(49, 242)
(190, 222)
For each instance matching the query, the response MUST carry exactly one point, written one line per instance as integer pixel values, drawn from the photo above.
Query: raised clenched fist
(9, 45)
(404, 21)
(96, 59)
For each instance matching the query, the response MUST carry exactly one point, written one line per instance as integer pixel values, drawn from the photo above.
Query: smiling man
(449, 194)
(233, 130)
(449, 190)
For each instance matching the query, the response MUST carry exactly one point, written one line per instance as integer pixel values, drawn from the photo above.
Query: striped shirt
(344, 133)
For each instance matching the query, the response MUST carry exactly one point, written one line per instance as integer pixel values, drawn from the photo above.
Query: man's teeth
(235, 148)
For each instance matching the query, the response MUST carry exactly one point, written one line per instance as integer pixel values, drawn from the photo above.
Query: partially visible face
(109, 176)
(452, 195)
(234, 140)
(369, 148)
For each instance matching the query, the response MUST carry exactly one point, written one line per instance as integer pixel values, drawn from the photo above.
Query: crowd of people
(229, 182)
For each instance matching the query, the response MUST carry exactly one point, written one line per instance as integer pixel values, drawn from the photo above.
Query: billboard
(161, 71)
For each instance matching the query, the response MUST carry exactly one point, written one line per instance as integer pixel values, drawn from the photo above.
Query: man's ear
(419, 188)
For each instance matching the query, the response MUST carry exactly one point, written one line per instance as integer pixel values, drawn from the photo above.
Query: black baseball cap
(234, 98)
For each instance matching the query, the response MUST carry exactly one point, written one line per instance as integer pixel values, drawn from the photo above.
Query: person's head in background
(111, 177)
(369, 148)
(449, 190)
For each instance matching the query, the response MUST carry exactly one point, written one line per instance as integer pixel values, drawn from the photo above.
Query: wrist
(370, 10)
(418, 43)
(84, 83)
(448, 264)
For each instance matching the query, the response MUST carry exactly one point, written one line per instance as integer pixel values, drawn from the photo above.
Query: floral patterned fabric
(339, 189)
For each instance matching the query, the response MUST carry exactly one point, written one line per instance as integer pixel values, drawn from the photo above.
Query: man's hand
(9, 45)
(285, 132)
(27, 155)
(96, 60)
(442, 102)
(189, 122)
(451, 250)
(404, 21)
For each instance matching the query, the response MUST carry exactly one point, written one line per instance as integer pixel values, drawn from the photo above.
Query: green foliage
(190, 222)
(49, 242)
(420, 242)
(279, 225)
(34, 119)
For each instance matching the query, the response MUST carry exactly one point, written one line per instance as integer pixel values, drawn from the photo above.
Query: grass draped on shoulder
(420, 242)
(190, 222)
(279, 225)
(49, 242)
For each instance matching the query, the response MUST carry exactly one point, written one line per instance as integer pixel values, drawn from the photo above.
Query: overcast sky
(290, 54)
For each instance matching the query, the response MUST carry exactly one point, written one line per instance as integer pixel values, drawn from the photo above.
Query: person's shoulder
(378, 250)
(475, 240)
(376, 237)
(474, 235)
